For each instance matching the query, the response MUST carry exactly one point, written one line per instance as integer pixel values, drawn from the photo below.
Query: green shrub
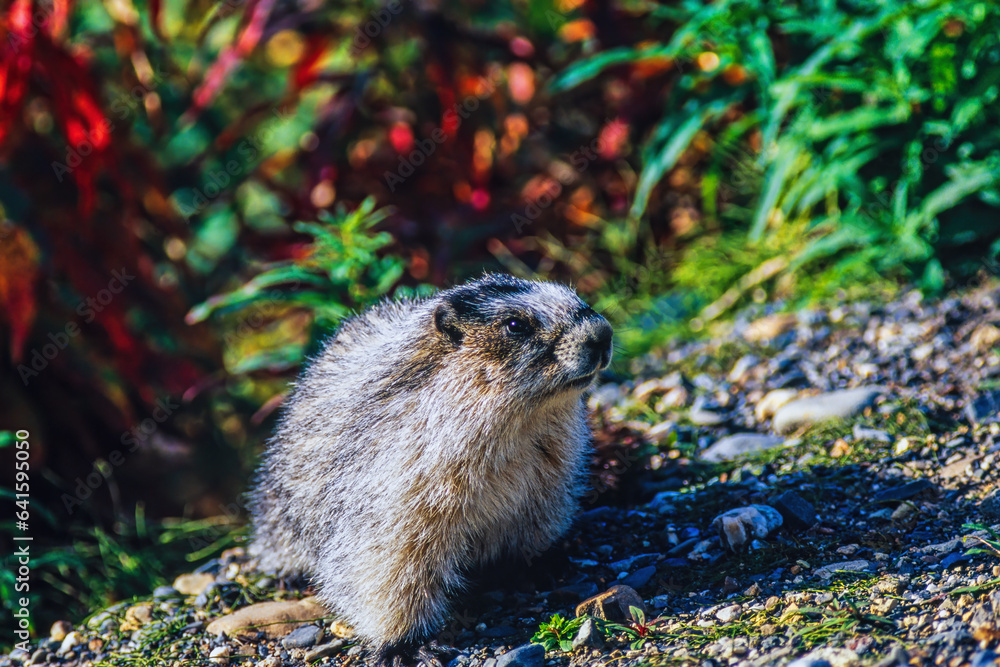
(339, 272)
(854, 141)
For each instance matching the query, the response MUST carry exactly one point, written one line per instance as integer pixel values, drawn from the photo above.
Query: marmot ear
(446, 321)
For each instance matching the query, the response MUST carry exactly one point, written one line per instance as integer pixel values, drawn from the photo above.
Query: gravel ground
(852, 454)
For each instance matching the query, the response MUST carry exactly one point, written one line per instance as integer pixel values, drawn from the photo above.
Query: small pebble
(219, 655)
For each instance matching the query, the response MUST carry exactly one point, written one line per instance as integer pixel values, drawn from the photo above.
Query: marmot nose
(599, 341)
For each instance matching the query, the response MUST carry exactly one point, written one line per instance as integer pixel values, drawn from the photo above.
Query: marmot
(428, 438)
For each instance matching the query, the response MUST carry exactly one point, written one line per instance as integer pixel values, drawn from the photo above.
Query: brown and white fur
(429, 438)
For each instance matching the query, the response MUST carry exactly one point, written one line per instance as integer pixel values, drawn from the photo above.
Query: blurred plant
(341, 267)
(989, 546)
(339, 272)
(809, 146)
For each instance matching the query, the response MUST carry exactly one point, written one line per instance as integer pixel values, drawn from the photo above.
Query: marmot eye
(516, 325)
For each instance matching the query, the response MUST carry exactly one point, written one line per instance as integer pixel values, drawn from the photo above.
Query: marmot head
(533, 338)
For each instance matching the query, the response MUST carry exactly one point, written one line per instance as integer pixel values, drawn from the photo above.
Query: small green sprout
(638, 631)
(558, 632)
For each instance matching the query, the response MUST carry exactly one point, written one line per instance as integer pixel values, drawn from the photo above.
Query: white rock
(729, 613)
(742, 367)
(68, 642)
(834, 657)
(769, 327)
(660, 431)
(772, 401)
(219, 655)
(588, 636)
(739, 444)
(647, 389)
(828, 571)
(744, 524)
(674, 398)
(815, 409)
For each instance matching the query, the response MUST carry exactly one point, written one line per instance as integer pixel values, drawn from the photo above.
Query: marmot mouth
(581, 382)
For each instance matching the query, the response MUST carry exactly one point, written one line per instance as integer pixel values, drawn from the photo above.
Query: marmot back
(430, 437)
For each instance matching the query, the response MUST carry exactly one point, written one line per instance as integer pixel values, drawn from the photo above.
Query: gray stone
(633, 561)
(660, 432)
(741, 367)
(983, 408)
(808, 662)
(734, 446)
(96, 621)
(706, 412)
(588, 636)
(985, 658)
(165, 592)
(862, 433)
(661, 502)
(813, 410)
(204, 598)
(705, 417)
(904, 492)
(827, 656)
(574, 592)
(942, 547)
(990, 506)
(639, 578)
(529, 655)
(828, 571)
(499, 631)
(795, 510)
(898, 657)
(304, 637)
(324, 650)
(20, 655)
